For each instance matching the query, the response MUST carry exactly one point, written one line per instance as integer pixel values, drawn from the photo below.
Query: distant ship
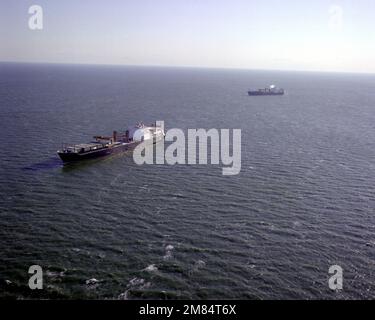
(117, 143)
(270, 91)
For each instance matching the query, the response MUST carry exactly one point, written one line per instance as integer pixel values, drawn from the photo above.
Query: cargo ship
(270, 91)
(108, 145)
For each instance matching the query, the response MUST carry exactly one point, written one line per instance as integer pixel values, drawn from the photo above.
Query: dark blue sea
(303, 201)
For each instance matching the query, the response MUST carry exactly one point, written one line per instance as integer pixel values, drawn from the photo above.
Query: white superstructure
(141, 132)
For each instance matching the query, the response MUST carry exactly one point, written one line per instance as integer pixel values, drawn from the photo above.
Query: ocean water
(303, 201)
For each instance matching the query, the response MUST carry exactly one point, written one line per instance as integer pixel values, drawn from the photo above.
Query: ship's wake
(50, 163)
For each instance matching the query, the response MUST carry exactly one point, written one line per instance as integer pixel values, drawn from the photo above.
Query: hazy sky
(287, 34)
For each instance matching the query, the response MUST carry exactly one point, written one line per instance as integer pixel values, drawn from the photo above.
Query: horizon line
(186, 67)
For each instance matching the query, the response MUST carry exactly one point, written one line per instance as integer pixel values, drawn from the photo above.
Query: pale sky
(320, 35)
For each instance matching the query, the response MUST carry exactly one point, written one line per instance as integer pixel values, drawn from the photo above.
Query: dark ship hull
(272, 90)
(265, 93)
(73, 156)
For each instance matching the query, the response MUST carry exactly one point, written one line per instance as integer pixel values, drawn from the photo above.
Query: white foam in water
(200, 263)
(168, 251)
(168, 255)
(55, 274)
(296, 223)
(136, 282)
(92, 282)
(151, 268)
(123, 296)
